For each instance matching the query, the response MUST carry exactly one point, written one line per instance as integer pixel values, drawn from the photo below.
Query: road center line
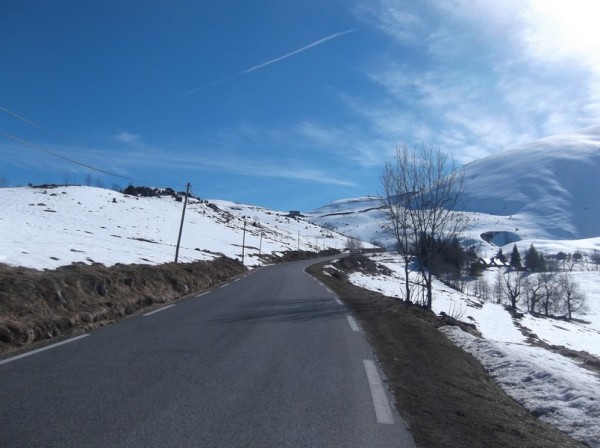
(380, 401)
(158, 310)
(43, 349)
(352, 323)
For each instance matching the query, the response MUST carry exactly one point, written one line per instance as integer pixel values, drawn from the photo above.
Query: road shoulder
(444, 394)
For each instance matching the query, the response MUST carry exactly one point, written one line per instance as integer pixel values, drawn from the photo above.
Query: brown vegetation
(39, 305)
(445, 395)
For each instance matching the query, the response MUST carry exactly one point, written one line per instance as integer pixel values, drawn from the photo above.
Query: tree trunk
(406, 281)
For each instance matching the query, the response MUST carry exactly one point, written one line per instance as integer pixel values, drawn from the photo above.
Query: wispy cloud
(268, 169)
(267, 63)
(224, 151)
(482, 75)
(127, 137)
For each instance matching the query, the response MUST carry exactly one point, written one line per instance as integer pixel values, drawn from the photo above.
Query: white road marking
(203, 294)
(43, 349)
(352, 323)
(225, 285)
(383, 410)
(339, 302)
(158, 310)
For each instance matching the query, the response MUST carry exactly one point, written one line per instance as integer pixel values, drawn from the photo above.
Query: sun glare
(573, 26)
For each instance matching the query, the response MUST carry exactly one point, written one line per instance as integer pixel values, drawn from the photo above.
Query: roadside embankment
(39, 305)
(444, 393)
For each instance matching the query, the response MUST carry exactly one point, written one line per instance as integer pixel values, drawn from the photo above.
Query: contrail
(272, 61)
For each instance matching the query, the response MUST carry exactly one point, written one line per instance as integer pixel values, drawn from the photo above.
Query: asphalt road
(269, 360)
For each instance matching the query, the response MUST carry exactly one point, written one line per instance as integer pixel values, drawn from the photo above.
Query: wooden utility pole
(187, 193)
(244, 242)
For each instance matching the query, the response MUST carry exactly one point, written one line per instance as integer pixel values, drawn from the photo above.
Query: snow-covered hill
(553, 182)
(356, 217)
(50, 227)
(545, 193)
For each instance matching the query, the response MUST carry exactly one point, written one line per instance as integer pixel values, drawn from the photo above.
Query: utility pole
(244, 242)
(187, 193)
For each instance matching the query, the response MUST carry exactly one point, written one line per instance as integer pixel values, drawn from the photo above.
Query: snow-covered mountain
(545, 192)
(554, 181)
(44, 228)
(356, 217)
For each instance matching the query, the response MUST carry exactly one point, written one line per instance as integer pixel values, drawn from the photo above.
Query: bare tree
(397, 221)
(354, 245)
(574, 299)
(533, 287)
(421, 189)
(482, 289)
(67, 176)
(549, 292)
(512, 285)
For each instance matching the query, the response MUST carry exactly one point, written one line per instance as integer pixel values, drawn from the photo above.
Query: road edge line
(383, 411)
(43, 349)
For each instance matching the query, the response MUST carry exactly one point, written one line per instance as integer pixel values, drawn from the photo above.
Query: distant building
(294, 213)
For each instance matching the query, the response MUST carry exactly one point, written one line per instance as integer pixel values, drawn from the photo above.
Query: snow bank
(550, 386)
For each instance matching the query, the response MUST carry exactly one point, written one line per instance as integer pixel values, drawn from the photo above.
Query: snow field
(48, 228)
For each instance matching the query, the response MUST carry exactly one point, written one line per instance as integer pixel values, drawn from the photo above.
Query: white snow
(544, 193)
(551, 386)
(553, 181)
(47, 228)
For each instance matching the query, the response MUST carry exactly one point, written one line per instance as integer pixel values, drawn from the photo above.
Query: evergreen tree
(515, 258)
(533, 261)
(471, 256)
(542, 266)
(500, 256)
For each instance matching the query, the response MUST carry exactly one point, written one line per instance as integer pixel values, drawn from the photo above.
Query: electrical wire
(35, 125)
(55, 154)
(60, 156)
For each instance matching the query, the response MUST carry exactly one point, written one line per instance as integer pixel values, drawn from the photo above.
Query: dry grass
(39, 305)
(445, 395)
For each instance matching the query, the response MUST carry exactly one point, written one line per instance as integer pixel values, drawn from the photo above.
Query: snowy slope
(47, 228)
(554, 181)
(544, 193)
(357, 217)
(553, 387)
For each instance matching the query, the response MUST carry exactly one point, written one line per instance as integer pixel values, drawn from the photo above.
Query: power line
(62, 137)
(60, 156)
(35, 125)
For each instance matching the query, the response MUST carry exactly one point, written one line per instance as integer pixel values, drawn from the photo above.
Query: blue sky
(284, 104)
